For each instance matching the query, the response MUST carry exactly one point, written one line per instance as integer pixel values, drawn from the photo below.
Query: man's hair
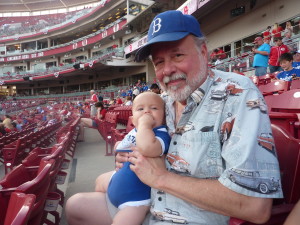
(278, 38)
(199, 41)
(154, 86)
(286, 56)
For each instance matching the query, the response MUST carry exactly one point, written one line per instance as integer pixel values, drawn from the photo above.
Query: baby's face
(148, 103)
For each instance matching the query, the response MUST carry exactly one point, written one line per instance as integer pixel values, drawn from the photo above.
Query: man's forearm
(211, 195)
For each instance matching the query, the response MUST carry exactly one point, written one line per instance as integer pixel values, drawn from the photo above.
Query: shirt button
(175, 142)
(159, 198)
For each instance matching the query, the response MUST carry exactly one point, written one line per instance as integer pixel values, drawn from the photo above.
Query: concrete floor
(88, 163)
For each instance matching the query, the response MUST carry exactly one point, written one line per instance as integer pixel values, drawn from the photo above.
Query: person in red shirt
(119, 101)
(276, 31)
(91, 123)
(276, 52)
(267, 33)
(93, 99)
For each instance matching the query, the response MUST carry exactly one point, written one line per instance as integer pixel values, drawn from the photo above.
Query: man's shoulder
(228, 77)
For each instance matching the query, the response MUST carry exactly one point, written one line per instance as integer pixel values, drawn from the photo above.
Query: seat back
(39, 186)
(275, 87)
(130, 125)
(295, 84)
(288, 101)
(19, 208)
(288, 152)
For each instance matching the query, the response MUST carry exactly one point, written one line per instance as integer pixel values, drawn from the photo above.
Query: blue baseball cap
(168, 26)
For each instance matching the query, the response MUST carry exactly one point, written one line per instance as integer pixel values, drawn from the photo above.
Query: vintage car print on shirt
(266, 141)
(177, 163)
(226, 127)
(258, 103)
(169, 215)
(253, 180)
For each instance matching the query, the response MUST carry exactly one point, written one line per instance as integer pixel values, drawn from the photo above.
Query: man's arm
(261, 52)
(206, 194)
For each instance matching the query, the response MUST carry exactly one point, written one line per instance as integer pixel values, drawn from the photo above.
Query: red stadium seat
(29, 181)
(284, 110)
(119, 134)
(288, 152)
(295, 84)
(19, 208)
(274, 87)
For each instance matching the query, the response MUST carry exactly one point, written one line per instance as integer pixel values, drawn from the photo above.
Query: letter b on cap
(156, 25)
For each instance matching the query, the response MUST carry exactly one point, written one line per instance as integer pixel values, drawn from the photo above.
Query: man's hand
(149, 170)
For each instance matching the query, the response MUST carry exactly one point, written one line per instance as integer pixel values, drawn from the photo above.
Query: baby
(124, 189)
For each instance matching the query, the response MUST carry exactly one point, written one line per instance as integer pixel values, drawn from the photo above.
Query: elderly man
(216, 161)
(93, 99)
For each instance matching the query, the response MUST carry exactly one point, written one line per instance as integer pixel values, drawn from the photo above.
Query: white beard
(182, 93)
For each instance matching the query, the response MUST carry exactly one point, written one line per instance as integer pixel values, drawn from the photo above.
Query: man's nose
(169, 68)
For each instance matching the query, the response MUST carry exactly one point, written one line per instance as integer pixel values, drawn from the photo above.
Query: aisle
(88, 163)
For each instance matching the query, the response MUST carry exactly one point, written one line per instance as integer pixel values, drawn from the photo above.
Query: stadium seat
(19, 208)
(105, 129)
(119, 134)
(274, 87)
(29, 181)
(288, 152)
(284, 110)
(265, 79)
(295, 84)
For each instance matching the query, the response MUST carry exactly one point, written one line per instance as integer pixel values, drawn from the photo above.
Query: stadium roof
(39, 5)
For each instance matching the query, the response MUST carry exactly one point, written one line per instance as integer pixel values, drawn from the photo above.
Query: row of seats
(14, 152)
(105, 129)
(35, 181)
(124, 113)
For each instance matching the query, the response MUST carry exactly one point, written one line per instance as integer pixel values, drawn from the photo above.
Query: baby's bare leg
(102, 182)
(131, 215)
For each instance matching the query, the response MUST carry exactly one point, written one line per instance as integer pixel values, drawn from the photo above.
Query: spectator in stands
(261, 53)
(123, 93)
(276, 31)
(93, 99)
(17, 125)
(288, 28)
(218, 54)
(91, 123)
(112, 101)
(267, 33)
(294, 216)
(296, 59)
(119, 101)
(155, 88)
(50, 120)
(289, 73)
(196, 186)
(100, 97)
(289, 42)
(8, 123)
(237, 70)
(128, 100)
(124, 189)
(2, 129)
(135, 92)
(275, 52)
